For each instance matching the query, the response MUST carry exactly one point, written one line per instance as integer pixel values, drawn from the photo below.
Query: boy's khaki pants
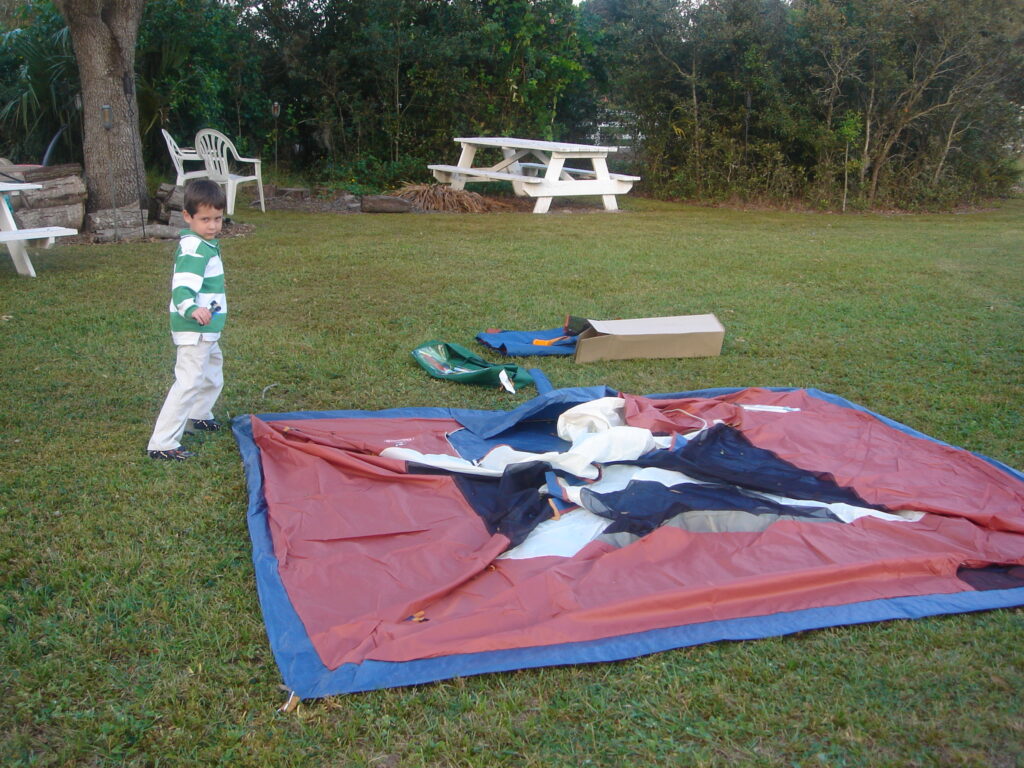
(198, 380)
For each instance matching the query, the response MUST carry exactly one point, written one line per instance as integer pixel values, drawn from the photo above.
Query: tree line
(838, 103)
(873, 102)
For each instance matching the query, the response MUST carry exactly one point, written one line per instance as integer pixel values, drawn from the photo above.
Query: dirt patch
(343, 203)
(558, 205)
(323, 202)
(312, 204)
(231, 229)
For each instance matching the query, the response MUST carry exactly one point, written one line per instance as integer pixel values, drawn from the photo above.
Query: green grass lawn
(130, 631)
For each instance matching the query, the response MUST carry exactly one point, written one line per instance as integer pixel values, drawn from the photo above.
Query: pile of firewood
(59, 203)
(169, 202)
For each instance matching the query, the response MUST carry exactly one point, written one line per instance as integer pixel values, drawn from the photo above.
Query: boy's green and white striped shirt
(198, 281)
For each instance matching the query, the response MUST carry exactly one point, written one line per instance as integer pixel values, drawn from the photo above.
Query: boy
(198, 311)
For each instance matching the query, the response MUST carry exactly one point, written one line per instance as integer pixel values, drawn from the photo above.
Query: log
(171, 204)
(48, 172)
(163, 232)
(127, 216)
(164, 191)
(66, 190)
(176, 200)
(176, 221)
(384, 204)
(125, 234)
(56, 216)
(12, 172)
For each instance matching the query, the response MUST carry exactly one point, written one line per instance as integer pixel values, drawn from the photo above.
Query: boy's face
(207, 221)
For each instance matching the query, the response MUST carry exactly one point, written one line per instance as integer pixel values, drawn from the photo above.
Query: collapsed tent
(417, 544)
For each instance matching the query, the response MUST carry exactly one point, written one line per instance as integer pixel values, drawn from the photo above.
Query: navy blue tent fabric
(509, 505)
(643, 506)
(526, 427)
(520, 343)
(723, 454)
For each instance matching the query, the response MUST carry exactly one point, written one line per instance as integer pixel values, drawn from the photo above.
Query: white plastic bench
(16, 239)
(580, 171)
(444, 173)
(39, 233)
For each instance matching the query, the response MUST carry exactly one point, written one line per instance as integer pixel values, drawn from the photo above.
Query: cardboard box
(681, 336)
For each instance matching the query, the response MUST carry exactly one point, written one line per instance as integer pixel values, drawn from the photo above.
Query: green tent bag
(443, 360)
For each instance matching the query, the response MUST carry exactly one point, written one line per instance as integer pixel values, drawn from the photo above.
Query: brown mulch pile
(441, 197)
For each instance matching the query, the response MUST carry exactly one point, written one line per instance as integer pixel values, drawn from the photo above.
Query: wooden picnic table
(537, 169)
(15, 238)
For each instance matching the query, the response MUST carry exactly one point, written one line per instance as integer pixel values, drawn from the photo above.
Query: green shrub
(369, 175)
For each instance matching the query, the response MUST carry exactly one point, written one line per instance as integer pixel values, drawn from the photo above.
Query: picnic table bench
(545, 176)
(469, 174)
(15, 238)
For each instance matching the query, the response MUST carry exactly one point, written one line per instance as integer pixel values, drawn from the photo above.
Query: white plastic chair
(214, 147)
(180, 156)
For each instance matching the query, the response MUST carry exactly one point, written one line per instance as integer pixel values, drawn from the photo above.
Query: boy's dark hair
(204, 192)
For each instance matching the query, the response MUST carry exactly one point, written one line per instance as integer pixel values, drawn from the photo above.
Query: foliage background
(833, 103)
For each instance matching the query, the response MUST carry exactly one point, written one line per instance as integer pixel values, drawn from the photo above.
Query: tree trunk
(697, 148)
(103, 34)
(951, 135)
(869, 115)
(846, 174)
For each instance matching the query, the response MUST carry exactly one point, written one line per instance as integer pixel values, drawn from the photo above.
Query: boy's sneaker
(205, 425)
(173, 454)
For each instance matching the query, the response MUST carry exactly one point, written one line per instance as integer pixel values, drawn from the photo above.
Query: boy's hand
(202, 316)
